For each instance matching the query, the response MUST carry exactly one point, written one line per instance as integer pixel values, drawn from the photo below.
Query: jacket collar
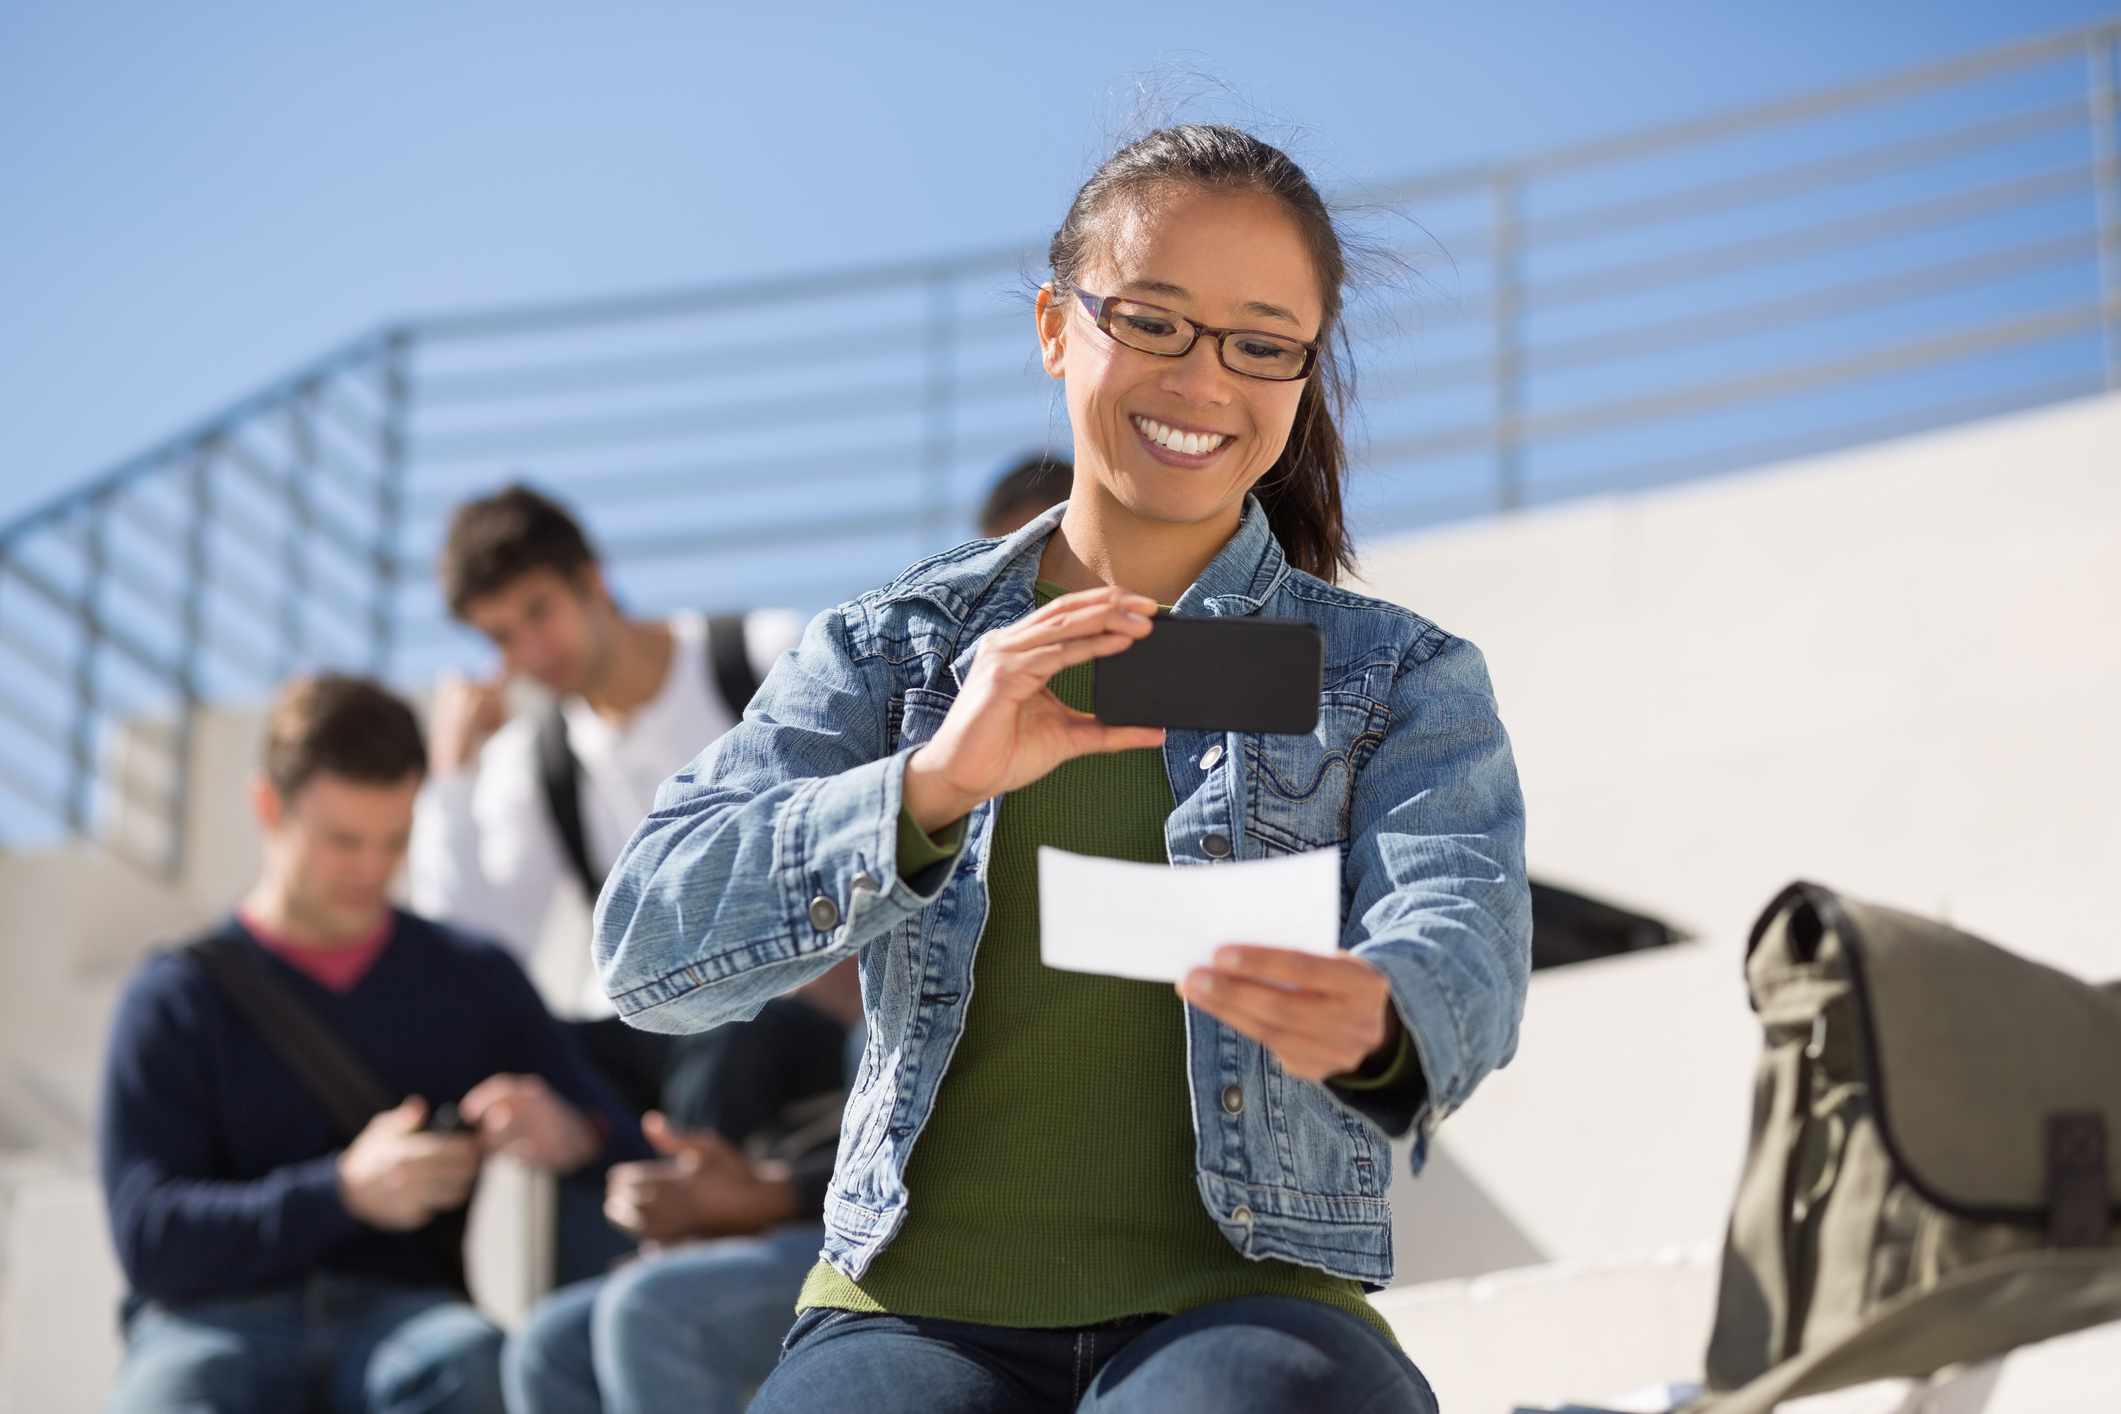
(1240, 579)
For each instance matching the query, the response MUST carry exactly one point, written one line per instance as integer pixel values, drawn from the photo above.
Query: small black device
(446, 1118)
(1218, 675)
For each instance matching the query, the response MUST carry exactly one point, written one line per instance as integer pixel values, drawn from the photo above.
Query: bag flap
(1969, 1048)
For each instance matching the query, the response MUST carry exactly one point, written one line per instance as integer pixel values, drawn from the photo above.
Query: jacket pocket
(1303, 787)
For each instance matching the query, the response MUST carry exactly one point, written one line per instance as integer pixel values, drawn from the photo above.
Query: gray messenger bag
(1932, 1176)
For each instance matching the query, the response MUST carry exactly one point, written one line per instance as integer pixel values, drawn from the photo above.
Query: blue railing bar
(1817, 443)
(1653, 139)
(1754, 252)
(330, 400)
(204, 431)
(529, 381)
(776, 536)
(684, 303)
(2102, 54)
(809, 471)
(274, 484)
(69, 604)
(357, 480)
(804, 411)
(1766, 316)
(1891, 358)
(1741, 192)
(1469, 245)
(516, 381)
(32, 653)
(245, 657)
(34, 793)
(33, 723)
(394, 376)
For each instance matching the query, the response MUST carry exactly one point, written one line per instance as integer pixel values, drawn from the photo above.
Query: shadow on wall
(1445, 1226)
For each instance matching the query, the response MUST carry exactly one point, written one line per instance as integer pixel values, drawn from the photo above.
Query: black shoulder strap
(561, 776)
(333, 1074)
(730, 662)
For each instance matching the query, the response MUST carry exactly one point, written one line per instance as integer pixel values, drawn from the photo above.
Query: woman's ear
(1052, 317)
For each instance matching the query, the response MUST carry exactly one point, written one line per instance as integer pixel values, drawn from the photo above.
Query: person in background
(521, 811)
(1024, 492)
(729, 1218)
(273, 1257)
(1061, 1191)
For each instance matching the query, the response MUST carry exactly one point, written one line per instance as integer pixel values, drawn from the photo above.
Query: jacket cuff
(843, 879)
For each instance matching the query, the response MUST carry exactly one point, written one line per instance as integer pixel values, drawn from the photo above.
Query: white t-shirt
(486, 855)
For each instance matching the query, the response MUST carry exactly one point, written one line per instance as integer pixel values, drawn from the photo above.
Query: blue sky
(194, 199)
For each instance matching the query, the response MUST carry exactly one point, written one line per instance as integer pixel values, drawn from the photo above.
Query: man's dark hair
(498, 539)
(335, 724)
(1034, 484)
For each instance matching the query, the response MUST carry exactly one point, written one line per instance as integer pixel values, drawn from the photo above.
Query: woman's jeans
(1251, 1356)
(333, 1343)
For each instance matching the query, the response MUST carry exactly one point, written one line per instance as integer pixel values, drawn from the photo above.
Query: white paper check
(1155, 922)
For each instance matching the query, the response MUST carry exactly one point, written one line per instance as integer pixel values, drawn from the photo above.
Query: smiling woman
(1057, 1190)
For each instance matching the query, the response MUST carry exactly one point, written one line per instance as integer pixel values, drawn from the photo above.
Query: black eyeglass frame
(1100, 309)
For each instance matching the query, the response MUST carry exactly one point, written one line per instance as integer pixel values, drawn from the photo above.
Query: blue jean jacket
(774, 856)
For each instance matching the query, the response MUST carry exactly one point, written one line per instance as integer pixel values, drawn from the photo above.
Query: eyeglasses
(1155, 330)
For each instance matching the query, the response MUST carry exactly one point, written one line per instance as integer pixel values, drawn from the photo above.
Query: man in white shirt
(522, 815)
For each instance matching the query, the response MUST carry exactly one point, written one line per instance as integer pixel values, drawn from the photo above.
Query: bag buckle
(2078, 1202)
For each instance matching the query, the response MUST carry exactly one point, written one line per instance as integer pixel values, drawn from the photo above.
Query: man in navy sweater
(272, 1265)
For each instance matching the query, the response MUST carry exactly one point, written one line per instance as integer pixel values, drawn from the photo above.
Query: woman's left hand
(1321, 1016)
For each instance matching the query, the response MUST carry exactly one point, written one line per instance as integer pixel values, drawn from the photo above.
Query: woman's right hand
(1006, 729)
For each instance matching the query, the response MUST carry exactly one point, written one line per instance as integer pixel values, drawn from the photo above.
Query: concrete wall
(1894, 669)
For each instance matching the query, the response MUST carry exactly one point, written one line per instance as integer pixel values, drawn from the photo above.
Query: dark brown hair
(1303, 491)
(497, 539)
(334, 724)
(1035, 483)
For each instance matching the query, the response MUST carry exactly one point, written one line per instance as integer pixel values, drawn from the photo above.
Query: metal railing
(1925, 247)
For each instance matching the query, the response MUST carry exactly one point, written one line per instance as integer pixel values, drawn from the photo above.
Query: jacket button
(1241, 1215)
(864, 883)
(1215, 846)
(824, 914)
(1234, 1099)
(1212, 757)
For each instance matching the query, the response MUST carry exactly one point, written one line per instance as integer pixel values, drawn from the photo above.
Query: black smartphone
(1218, 675)
(446, 1118)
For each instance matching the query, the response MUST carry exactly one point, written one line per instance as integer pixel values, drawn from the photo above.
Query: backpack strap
(560, 776)
(730, 662)
(321, 1060)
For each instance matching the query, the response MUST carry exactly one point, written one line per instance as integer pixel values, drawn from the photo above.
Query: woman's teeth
(1192, 444)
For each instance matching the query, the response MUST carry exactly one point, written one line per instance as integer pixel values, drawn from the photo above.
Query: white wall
(1896, 669)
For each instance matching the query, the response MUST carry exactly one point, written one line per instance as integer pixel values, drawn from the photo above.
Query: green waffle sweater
(1053, 1185)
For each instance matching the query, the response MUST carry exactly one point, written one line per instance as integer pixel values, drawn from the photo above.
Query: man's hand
(702, 1187)
(1320, 1016)
(396, 1178)
(518, 1115)
(466, 714)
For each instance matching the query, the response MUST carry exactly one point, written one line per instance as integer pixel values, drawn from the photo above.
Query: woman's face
(1231, 260)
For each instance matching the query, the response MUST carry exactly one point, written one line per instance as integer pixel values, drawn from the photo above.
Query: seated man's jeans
(692, 1328)
(1250, 1356)
(337, 1344)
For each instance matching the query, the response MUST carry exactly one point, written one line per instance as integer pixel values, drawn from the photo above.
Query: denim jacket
(774, 856)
